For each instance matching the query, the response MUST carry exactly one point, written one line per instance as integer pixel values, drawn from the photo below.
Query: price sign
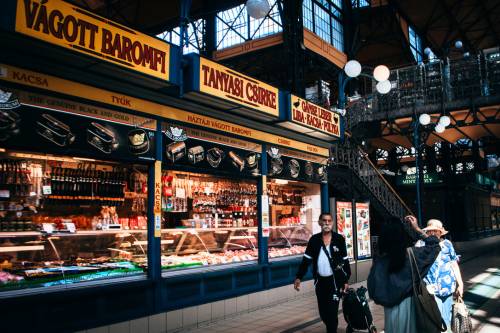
(157, 198)
(265, 215)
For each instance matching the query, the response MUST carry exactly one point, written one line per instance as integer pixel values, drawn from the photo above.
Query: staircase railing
(355, 159)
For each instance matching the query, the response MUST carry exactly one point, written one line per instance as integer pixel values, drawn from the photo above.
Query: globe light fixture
(444, 121)
(352, 68)
(384, 87)
(424, 119)
(439, 128)
(257, 8)
(381, 73)
(459, 44)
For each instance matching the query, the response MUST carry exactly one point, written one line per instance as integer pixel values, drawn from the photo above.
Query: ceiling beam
(456, 25)
(486, 16)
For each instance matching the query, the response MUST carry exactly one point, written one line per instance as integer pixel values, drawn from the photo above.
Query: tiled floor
(301, 314)
(298, 315)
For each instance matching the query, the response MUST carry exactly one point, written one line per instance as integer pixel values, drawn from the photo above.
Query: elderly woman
(444, 278)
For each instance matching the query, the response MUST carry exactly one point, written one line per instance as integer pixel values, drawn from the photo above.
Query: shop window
(65, 220)
(294, 211)
(207, 220)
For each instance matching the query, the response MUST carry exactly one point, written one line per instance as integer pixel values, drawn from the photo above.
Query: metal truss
(195, 32)
(436, 87)
(350, 156)
(235, 26)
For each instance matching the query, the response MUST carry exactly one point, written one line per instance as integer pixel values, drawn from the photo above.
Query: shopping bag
(460, 320)
(427, 312)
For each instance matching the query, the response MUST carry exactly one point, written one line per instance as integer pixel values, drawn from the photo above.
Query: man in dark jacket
(331, 271)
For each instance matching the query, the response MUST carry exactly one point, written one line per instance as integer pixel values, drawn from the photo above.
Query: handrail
(387, 183)
(349, 154)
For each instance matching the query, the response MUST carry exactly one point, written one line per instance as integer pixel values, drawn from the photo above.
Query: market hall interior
(163, 165)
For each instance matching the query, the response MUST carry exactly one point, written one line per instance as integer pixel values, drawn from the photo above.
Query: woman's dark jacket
(389, 289)
(339, 257)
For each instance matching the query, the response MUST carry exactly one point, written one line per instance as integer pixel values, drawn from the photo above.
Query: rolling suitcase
(356, 311)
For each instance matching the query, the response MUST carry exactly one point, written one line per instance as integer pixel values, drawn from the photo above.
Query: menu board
(344, 226)
(363, 229)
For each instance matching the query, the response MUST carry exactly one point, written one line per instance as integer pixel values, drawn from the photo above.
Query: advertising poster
(363, 229)
(344, 225)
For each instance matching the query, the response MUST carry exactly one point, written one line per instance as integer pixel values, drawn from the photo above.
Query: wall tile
(218, 310)
(204, 312)
(139, 325)
(189, 316)
(254, 301)
(242, 303)
(157, 323)
(102, 329)
(229, 307)
(123, 327)
(174, 320)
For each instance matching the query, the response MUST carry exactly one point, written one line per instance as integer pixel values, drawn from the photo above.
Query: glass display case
(294, 210)
(67, 219)
(207, 220)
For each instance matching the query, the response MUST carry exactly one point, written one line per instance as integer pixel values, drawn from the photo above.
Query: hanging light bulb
(445, 121)
(352, 68)
(384, 87)
(439, 128)
(257, 8)
(381, 73)
(424, 119)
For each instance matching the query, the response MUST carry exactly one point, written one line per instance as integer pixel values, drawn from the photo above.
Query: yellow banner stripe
(58, 85)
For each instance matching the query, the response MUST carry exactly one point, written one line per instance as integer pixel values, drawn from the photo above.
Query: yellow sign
(313, 116)
(60, 23)
(222, 82)
(157, 200)
(87, 110)
(61, 86)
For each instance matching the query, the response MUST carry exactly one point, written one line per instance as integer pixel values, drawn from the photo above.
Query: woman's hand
(412, 221)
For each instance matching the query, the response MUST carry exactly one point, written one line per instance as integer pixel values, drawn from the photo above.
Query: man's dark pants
(328, 307)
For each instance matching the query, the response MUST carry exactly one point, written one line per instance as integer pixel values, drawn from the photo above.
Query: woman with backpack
(390, 281)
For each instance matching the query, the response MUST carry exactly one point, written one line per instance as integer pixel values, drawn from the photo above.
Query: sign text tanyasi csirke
(63, 24)
(225, 83)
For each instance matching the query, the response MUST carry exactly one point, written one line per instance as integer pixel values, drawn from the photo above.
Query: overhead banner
(232, 90)
(292, 165)
(363, 230)
(314, 117)
(344, 226)
(65, 25)
(64, 127)
(193, 148)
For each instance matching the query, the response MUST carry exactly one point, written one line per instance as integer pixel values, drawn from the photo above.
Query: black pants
(328, 307)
